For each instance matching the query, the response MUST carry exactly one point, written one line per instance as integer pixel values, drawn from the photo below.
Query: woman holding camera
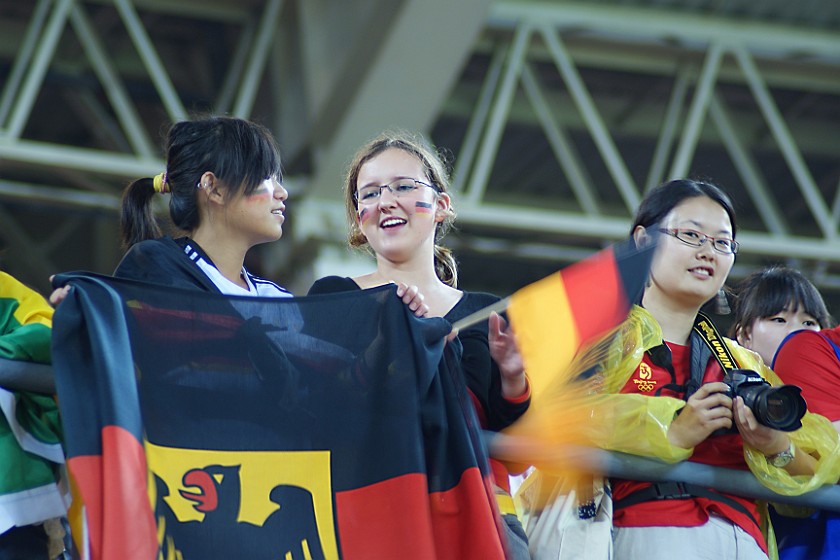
(668, 369)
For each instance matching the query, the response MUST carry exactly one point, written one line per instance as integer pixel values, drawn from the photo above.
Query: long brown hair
(436, 170)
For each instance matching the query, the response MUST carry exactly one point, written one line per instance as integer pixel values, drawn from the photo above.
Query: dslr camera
(780, 408)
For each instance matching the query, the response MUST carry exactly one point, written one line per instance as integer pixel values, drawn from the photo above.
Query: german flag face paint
(263, 193)
(259, 215)
(364, 216)
(426, 208)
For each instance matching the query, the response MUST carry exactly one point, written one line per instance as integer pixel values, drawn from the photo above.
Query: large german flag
(204, 426)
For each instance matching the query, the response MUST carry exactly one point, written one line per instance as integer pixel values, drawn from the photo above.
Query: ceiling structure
(558, 117)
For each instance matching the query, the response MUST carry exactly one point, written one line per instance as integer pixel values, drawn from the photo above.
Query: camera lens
(776, 409)
(780, 408)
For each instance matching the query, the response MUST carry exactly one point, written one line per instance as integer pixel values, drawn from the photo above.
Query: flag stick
(481, 314)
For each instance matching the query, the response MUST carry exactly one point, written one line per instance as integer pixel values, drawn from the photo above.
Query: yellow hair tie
(161, 183)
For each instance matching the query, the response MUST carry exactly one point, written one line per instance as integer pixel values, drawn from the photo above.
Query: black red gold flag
(205, 426)
(554, 318)
(564, 324)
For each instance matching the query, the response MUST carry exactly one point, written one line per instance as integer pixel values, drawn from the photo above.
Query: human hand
(502, 342)
(765, 439)
(707, 410)
(58, 295)
(412, 297)
(453, 334)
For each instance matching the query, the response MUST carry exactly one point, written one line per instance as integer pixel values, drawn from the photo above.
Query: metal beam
(105, 130)
(665, 143)
(478, 119)
(237, 63)
(151, 60)
(791, 153)
(505, 217)
(209, 10)
(54, 196)
(498, 114)
(815, 136)
(46, 48)
(24, 55)
(658, 24)
(256, 62)
(563, 148)
(748, 169)
(113, 86)
(697, 113)
(420, 57)
(594, 122)
(120, 165)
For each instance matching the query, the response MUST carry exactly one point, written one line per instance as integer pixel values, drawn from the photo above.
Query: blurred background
(556, 115)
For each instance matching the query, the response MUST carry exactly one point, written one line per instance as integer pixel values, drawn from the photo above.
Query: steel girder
(588, 81)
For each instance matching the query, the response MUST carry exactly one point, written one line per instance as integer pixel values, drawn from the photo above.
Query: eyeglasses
(398, 187)
(696, 238)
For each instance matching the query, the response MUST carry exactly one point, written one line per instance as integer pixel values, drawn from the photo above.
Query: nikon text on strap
(709, 334)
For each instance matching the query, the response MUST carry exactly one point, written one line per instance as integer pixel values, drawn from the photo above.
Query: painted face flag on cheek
(206, 426)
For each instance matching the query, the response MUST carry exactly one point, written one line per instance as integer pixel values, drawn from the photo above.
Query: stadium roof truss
(560, 115)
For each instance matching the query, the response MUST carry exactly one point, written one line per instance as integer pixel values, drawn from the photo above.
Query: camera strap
(704, 342)
(710, 335)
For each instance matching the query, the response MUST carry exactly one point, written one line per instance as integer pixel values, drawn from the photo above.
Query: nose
(280, 191)
(384, 191)
(706, 249)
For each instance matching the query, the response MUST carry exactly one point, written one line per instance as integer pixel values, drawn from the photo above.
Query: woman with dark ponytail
(224, 183)
(398, 207)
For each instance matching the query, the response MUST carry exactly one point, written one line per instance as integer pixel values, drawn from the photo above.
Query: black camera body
(780, 408)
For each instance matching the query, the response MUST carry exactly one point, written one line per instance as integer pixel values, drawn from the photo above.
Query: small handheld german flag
(554, 318)
(564, 325)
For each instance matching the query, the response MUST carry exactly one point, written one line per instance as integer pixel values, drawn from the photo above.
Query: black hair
(240, 153)
(769, 291)
(667, 196)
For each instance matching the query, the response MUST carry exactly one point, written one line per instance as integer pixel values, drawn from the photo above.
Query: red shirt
(807, 359)
(720, 451)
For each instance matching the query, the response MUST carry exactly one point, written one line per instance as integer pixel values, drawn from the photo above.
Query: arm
(619, 421)
(26, 376)
(503, 350)
(707, 410)
(770, 442)
(817, 442)
(807, 359)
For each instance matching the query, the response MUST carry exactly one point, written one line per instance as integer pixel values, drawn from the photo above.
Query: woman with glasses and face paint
(398, 207)
(669, 372)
